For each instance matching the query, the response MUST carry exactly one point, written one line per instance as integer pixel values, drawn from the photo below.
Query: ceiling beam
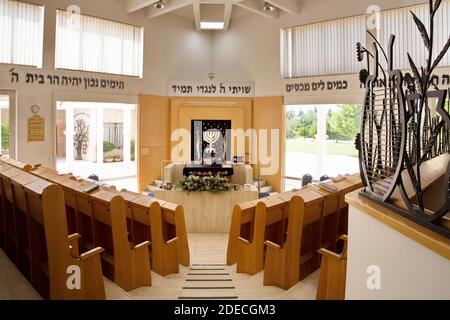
(227, 14)
(197, 14)
(289, 6)
(256, 6)
(170, 6)
(135, 5)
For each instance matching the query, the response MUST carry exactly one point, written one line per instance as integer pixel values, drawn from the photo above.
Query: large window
(98, 139)
(21, 33)
(92, 44)
(320, 142)
(322, 48)
(408, 38)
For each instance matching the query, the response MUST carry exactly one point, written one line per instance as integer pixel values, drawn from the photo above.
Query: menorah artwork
(211, 140)
(211, 137)
(404, 141)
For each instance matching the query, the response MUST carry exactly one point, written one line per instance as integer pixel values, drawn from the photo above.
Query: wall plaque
(36, 129)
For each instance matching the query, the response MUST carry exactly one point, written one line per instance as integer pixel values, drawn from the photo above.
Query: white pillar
(321, 138)
(69, 135)
(127, 135)
(100, 135)
(1, 149)
(92, 135)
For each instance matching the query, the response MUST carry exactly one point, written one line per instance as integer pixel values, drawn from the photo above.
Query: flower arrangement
(212, 183)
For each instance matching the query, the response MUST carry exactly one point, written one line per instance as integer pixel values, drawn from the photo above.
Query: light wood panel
(153, 137)
(268, 113)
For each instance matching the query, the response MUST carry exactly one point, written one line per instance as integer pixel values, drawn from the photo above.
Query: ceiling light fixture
(268, 7)
(207, 25)
(159, 5)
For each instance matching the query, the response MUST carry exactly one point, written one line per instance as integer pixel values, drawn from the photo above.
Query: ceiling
(216, 10)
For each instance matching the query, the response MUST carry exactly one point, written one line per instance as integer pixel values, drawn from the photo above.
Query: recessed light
(159, 5)
(206, 25)
(268, 7)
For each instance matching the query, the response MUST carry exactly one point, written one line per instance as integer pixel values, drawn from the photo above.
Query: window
(408, 39)
(322, 48)
(21, 33)
(320, 142)
(92, 44)
(98, 138)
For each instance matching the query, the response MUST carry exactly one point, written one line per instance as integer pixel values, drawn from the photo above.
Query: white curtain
(408, 39)
(21, 33)
(92, 44)
(322, 49)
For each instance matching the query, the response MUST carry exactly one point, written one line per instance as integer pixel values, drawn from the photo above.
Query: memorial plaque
(36, 129)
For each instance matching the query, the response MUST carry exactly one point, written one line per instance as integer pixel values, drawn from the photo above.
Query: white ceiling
(215, 10)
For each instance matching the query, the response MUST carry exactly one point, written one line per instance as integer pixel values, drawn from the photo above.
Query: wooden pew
(54, 254)
(269, 224)
(244, 223)
(330, 216)
(148, 220)
(312, 222)
(346, 185)
(125, 264)
(333, 272)
(172, 219)
(241, 225)
(99, 215)
(14, 241)
(283, 260)
(173, 215)
(16, 163)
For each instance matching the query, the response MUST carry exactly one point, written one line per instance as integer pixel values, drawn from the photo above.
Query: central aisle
(210, 278)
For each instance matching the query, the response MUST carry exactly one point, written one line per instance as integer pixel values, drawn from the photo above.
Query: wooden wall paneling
(153, 137)
(268, 113)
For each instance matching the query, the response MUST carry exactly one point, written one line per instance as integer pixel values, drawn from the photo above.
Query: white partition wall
(385, 264)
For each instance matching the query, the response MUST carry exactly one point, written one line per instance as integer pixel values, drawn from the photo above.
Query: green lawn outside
(308, 146)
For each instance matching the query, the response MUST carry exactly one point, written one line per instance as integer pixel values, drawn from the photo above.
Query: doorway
(7, 123)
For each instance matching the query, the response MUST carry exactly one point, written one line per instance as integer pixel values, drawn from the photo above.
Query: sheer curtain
(21, 33)
(322, 48)
(408, 39)
(92, 44)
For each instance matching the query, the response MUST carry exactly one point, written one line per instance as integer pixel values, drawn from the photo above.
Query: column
(100, 135)
(92, 135)
(69, 135)
(1, 149)
(127, 135)
(321, 139)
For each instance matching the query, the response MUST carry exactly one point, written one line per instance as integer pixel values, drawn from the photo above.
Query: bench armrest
(91, 253)
(142, 245)
(244, 241)
(172, 241)
(73, 245)
(329, 254)
(272, 245)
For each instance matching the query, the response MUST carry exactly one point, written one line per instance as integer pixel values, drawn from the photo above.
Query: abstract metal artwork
(404, 140)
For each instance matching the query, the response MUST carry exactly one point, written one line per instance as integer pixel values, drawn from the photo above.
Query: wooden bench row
(124, 223)
(35, 236)
(293, 226)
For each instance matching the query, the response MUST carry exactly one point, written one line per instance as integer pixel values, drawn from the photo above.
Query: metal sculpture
(404, 137)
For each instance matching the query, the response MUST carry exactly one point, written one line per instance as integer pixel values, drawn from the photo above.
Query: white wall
(173, 50)
(408, 270)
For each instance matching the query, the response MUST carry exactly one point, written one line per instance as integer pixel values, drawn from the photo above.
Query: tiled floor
(208, 251)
